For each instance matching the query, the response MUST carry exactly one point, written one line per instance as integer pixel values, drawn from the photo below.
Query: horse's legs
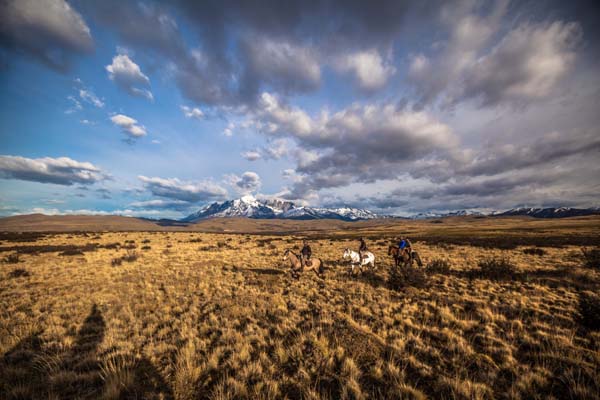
(417, 258)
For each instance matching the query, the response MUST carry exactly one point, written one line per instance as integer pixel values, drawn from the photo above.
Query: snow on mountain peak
(249, 206)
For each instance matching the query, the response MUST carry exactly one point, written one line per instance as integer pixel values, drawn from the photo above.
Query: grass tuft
(439, 266)
(591, 258)
(11, 258)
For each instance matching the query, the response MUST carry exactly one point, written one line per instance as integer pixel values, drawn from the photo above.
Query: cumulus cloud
(129, 76)
(276, 46)
(526, 64)
(129, 126)
(176, 189)
(470, 30)
(49, 30)
(283, 65)
(247, 183)
(192, 112)
(60, 171)
(274, 150)
(356, 143)
(369, 69)
(251, 155)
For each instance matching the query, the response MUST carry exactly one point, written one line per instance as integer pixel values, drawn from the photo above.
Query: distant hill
(70, 223)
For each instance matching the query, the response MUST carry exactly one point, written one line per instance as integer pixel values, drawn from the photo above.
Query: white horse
(368, 259)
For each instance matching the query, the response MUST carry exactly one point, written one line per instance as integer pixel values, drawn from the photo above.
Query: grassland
(507, 308)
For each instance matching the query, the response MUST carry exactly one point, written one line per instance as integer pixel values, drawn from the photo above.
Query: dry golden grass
(190, 315)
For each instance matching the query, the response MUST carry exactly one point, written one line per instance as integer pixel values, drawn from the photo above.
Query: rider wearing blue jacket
(404, 244)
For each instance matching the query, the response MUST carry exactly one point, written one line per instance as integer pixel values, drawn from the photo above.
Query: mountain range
(250, 207)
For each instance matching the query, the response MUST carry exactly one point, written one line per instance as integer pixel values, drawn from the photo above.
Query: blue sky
(155, 109)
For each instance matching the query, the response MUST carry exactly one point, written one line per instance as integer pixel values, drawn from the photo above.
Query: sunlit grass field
(188, 315)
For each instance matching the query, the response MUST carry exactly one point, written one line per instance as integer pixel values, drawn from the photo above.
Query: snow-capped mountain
(460, 213)
(552, 212)
(250, 207)
(558, 212)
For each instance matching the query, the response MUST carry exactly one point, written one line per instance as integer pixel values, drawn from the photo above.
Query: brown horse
(316, 264)
(404, 257)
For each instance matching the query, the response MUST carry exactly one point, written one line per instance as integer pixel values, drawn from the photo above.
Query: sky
(154, 109)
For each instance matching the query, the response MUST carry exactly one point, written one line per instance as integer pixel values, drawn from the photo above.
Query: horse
(316, 264)
(404, 257)
(368, 259)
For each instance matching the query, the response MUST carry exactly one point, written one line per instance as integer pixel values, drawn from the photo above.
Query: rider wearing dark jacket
(305, 253)
(362, 249)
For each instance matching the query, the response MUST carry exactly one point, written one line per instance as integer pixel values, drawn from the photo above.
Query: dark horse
(404, 256)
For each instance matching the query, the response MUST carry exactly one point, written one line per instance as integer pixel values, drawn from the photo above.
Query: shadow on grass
(33, 369)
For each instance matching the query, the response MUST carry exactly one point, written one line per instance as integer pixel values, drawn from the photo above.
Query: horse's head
(285, 254)
(347, 253)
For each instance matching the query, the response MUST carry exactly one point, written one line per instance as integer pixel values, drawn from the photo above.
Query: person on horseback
(404, 245)
(362, 249)
(305, 254)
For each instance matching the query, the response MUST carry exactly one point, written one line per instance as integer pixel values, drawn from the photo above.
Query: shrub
(146, 247)
(197, 240)
(589, 308)
(407, 277)
(495, 268)
(146, 241)
(116, 261)
(130, 256)
(71, 252)
(439, 266)
(19, 272)
(12, 258)
(591, 258)
(534, 251)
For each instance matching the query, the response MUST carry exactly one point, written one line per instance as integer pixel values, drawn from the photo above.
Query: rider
(305, 253)
(362, 249)
(405, 245)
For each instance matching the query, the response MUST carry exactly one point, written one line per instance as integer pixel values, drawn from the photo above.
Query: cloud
(159, 204)
(546, 150)
(129, 126)
(247, 183)
(245, 48)
(192, 192)
(359, 143)
(470, 30)
(369, 69)
(251, 155)
(129, 77)
(75, 105)
(50, 31)
(192, 112)
(526, 65)
(282, 65)
(60, 171)
(89, 96)
(104, 193)
(275, 150)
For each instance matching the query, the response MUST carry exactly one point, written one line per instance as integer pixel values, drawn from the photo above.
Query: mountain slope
(551, 212)
(250, 207)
